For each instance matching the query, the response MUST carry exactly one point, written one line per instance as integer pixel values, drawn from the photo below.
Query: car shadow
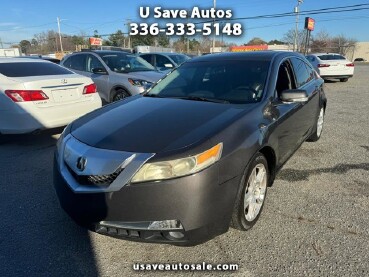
(37, 238)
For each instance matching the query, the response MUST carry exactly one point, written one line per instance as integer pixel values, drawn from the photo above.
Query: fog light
(176, 235)
(165, 225)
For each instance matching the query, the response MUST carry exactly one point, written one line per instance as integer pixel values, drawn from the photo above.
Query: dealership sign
(247, 48)
(96, 41)
(309, 23)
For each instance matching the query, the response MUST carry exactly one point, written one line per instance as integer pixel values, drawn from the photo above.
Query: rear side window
(146, 58)
(302, 74)
(22, 69)
(78, 62)
(331, 57)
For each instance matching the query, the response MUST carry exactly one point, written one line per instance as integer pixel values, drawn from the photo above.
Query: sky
(22, 19)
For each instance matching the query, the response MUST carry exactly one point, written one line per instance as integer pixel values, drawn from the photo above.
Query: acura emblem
(64, 81)
(81, 163)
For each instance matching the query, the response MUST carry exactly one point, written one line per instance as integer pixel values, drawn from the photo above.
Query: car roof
(22, 60)
(254, 55)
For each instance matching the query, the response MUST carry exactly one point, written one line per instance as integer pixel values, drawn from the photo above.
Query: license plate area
(65, 95)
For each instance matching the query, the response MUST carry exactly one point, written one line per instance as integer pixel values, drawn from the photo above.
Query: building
(9, 52)
(361, 51)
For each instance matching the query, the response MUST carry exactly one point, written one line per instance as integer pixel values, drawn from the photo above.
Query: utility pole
(60, 38)
(1, 43)
(128, 23)
(297, 10)
(214, 2)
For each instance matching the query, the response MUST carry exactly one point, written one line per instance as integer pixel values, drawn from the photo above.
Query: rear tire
(250, 200)
(343, 80)
(318, 127)
(120, 94)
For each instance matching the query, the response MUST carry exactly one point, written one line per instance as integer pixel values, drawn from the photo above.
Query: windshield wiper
(204, 99)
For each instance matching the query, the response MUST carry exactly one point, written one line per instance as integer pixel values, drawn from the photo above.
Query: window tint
(93, 62)
(146, 58)
(67, 62)
(310, 58)
(238, 82)
(124, 63)
(162, 60)
(78, 62)
(331, 57)
(20, 69)
(311, 72)
(285, 79)
(301, 72)
(179, 59)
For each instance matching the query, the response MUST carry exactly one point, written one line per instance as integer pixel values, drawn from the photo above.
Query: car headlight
(179, 167)
(140, 83)
(65, 132)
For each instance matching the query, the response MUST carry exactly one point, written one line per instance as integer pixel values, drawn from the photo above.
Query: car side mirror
(168, 65)
(99, 70)
(294, 95)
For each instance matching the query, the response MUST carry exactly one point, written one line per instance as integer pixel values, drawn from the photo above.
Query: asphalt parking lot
(315, 222)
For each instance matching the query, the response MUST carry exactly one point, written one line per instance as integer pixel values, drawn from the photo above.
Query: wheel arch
(271, 158)
(115, 88)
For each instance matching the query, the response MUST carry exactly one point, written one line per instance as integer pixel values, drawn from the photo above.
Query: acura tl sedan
(195, 154)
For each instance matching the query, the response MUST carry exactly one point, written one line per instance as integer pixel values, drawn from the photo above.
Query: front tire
(120, 94)
(318, 128)
(250, 201)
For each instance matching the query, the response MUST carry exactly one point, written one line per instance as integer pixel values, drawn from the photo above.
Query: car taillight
(89, 89)
(350, 64)
(324, 65)
(26, 95)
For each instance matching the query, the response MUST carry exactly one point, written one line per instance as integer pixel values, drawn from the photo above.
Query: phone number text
(188, 29)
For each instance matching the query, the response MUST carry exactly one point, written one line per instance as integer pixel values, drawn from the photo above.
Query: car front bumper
(199, 202)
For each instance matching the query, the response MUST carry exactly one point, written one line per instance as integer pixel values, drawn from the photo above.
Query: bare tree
(289, 38)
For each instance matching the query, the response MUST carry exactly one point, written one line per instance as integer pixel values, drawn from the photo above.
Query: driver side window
(93, 62)
(285, 78)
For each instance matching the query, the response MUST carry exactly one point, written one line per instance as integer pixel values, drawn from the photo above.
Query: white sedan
(37, 94)
(332, 66)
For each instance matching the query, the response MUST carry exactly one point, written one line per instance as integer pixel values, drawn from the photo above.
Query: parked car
(360, 60)
(117, 74)
(332, 66)
(193, 154)
(36, 94)
(165, 62)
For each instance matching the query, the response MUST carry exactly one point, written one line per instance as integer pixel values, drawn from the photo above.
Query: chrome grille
(96, 180)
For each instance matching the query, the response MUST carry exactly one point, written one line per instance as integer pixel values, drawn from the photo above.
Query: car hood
(154, 125)
(151, 76)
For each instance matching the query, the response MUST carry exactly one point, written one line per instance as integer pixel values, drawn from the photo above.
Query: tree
(256, 41)
(163, 40)
(96, 34)
(341, 44)
(25, 46)
(289, 38)
(276, 42)
(116, 39)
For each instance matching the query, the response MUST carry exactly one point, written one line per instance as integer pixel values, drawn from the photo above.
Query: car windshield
(236, 82)
(125, 63)
(179, 59)
(331, 57)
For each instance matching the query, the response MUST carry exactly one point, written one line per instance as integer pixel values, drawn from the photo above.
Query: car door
(306, 80)
(290, 127)
(100, 79)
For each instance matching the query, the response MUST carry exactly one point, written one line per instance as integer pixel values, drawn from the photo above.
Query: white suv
(332, 66)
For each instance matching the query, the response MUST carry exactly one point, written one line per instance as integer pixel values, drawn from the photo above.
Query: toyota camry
(195, 154)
